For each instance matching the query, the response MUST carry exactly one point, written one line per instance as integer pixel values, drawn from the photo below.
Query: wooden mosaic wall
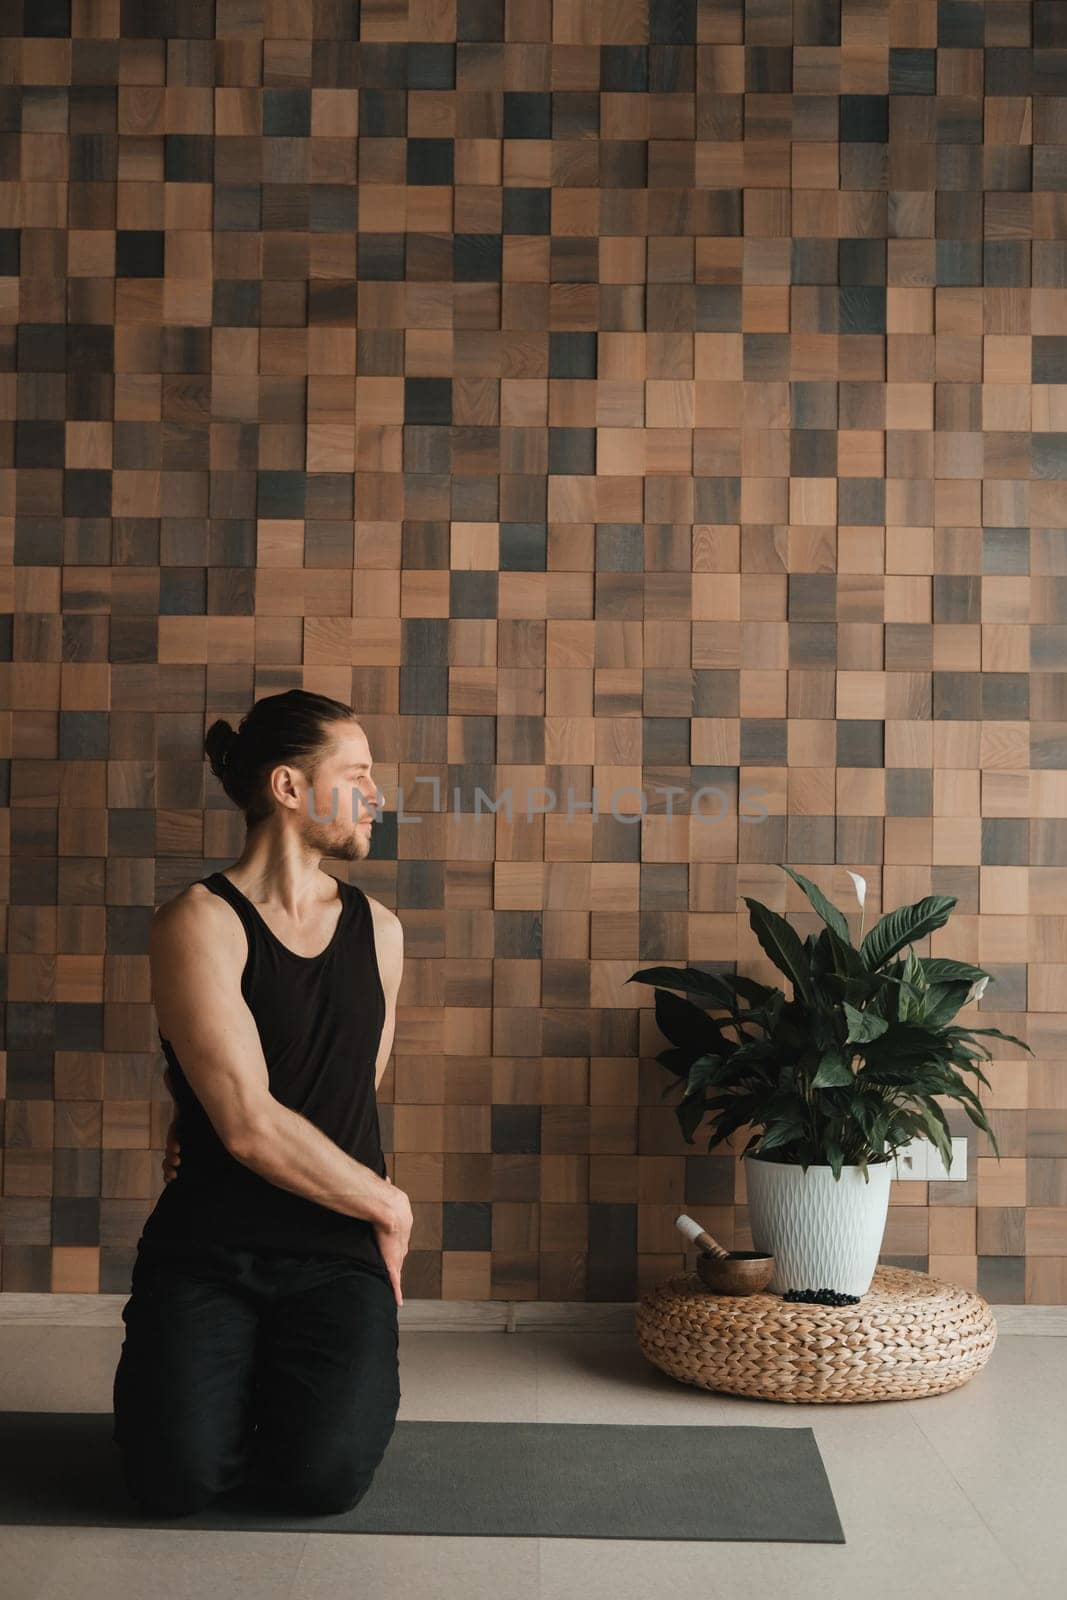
(647, 394)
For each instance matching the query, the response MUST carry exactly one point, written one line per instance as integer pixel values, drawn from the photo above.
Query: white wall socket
(920, 1162)
(910, 1161)
(935, 1167)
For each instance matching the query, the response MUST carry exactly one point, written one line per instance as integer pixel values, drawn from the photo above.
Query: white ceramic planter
(824, 1232)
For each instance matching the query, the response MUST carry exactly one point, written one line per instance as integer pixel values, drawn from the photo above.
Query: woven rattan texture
(908, 1337)
(664, 400)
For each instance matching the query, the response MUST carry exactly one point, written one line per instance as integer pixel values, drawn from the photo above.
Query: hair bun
(219, 744)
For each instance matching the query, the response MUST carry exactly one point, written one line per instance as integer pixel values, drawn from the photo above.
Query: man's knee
(170, 1496)
(310, 1493)
(173, 1503)
(170, 1485)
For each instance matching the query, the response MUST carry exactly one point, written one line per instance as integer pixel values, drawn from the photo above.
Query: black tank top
(320, 1020)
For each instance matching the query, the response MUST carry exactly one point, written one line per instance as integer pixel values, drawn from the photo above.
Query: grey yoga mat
(577, 1480)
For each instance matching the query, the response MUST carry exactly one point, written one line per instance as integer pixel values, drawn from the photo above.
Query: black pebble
(824, 1297)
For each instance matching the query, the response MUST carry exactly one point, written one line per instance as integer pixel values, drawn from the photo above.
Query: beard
(351, 844)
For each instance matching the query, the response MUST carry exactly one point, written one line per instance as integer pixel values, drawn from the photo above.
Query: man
(262, 1338)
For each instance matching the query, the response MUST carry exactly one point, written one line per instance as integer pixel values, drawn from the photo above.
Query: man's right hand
(172, 1153)
(393, 1237)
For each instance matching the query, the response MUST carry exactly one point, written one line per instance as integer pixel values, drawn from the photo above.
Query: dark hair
(289, 727)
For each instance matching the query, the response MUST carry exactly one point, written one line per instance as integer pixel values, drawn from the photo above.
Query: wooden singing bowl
(742, 1272)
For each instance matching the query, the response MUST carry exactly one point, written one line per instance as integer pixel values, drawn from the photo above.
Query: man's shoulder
(382, 914)
(189, 906)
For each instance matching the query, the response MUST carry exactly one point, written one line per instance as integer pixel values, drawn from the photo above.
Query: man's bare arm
(389, 940)
(195, 959)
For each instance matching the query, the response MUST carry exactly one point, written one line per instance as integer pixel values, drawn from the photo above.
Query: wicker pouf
(909, 1336)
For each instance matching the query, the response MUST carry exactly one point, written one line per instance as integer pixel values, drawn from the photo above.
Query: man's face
(336, 817)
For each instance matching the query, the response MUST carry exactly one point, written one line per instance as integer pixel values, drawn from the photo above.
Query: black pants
(253, 1367)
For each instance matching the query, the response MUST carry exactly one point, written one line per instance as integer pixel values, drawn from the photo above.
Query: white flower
(977, 989)
(861, 886)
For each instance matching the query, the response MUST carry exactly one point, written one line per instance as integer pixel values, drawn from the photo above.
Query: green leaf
(981, 1122)
(691, 1115)
(826, 909)
(833, 1071)
(702, 1072)
(821, 961)
(937, 1129)
(903, 926)
(968, 1064)
(692, 981)
(780, 1133)
(690, 1026)
(675, 1061)
(863, 1026)
(880, 1127)
(942, 1001)
(995, 1033)
(727, 1124)
(849, 962)
(759, 994)
(683, 1023)
(960, 1089)
(835, 1156)
(904, 1042)
(909, 998)
(938, 969)
(760, 1069)
(780, 941)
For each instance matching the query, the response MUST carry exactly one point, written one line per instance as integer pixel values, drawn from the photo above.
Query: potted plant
(834, 1080)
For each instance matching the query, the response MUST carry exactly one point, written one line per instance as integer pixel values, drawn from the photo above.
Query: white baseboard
(1031, 1319)
(486, 1316)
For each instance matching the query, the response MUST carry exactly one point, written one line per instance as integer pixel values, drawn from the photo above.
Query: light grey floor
(960, 1497)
